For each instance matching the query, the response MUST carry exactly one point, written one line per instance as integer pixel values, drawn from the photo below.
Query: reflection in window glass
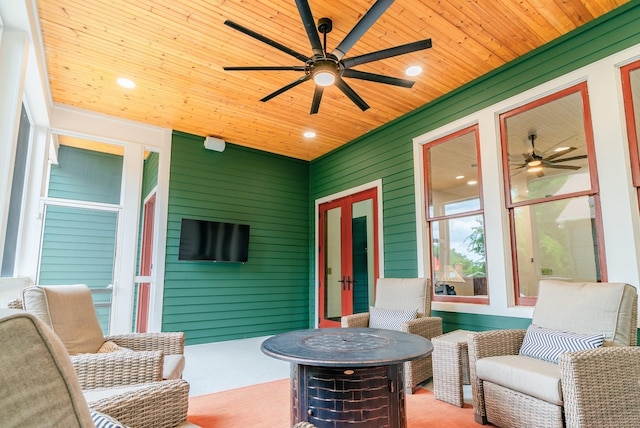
(454, 216)
(545, 142)
(453, 176)
(458, 256)
(556, 240)
(552, 192)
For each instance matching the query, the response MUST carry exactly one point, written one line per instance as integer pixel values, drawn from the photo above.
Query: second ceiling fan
(327, 68)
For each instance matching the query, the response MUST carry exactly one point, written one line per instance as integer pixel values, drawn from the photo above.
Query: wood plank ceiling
(174, 51)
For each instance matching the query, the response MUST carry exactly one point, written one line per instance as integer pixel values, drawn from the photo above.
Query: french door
(348, 256)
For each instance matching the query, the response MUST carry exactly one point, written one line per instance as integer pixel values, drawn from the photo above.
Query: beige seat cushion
(173, 366)
(531, 376)
(38, 385)
(69, 311)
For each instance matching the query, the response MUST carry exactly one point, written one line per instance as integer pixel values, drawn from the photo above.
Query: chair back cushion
(38, 384)
(404, 294)
(605, 308)
(69, 311)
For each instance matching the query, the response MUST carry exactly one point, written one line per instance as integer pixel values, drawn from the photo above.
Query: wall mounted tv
(213, 241)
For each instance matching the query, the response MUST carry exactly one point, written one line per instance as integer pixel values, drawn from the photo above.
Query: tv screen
(213, 241)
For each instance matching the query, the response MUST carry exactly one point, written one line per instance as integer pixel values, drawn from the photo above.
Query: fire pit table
(347, 377)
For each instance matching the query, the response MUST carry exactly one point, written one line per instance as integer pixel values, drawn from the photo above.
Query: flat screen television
(213, 241)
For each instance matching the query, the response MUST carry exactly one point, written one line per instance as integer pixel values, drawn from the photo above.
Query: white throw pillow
(389, 319)
(546, 344)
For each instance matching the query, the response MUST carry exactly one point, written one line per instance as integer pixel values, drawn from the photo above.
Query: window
(552, 192)
(631, 93)
(455, 218)
(9, 255)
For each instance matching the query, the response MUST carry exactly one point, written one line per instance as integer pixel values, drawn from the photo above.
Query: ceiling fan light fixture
(324, 74)
(534, 163)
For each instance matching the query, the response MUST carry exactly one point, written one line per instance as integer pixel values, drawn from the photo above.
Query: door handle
(342, 281)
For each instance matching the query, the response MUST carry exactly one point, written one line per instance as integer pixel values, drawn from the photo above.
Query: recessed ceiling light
(125, 83)
(472, 182)
(414, 70)
(459, 177)
(309, 134)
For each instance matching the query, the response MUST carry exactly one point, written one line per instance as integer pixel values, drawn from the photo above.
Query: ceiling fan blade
(266, 40)
(553, 165)
(266, 68)
(559, 153)
(387, 53)
(317, 97)
(572, 158)
(351, 94)
(361, 27)
(286, 88)
(310, 26)
(355, 74)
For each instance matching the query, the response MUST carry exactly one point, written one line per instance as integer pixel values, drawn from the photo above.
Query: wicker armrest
(117, 368)
(601, 386)
(169, 342)
(156, 405)
(489, 344)
(495, 342)
(356, 320)
(427, 327)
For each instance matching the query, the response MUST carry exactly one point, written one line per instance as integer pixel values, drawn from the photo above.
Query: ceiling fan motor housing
(325, 25)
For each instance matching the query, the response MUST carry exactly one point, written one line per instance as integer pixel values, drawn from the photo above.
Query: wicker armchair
(69, 311)
(515, 390)
(406, 294)
(39, 387)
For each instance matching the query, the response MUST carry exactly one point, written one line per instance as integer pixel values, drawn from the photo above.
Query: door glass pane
(547, 149)
(79, 248)
(556, 240)
(333, 265)
(362, 255)
(459, 263)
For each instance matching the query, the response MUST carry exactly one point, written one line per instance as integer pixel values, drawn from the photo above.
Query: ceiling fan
(327, 68)
(535, 163)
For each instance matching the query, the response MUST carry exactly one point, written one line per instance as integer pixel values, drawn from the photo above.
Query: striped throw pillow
(389, 319)
(546, 344)
(104, 421)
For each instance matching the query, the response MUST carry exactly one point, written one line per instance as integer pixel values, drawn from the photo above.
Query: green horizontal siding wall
(267, 295)
(387, 154)
(86, 175)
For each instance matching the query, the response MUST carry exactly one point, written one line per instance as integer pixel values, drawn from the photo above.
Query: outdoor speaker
(212, 143)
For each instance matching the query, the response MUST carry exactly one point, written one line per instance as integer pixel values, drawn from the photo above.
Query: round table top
(347, 347)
